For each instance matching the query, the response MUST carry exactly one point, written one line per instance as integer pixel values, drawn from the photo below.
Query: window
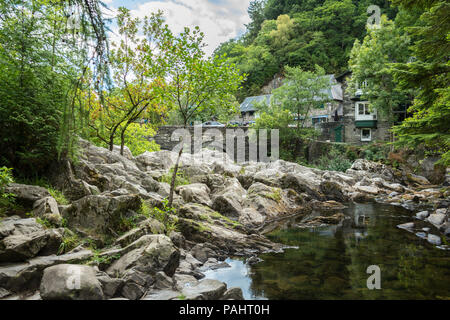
(366, 135)
(363, 108)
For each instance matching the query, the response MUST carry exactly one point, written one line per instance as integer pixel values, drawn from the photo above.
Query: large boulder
(156, 253)
(135, 284)
(229, 200)
(16, 226)
(100, 214)
(16, 248)
(70, 282)
(333, 191)
(308, 182)
(27, 195)
(196, 192)
(47, 208)
(148, 226)
(18, 277)
(207, 289)
(156, 160)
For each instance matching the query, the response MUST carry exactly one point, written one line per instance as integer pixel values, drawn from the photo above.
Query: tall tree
(370, 63)
(138, 67)
(301, 92)
(429, 74)
(196, 83)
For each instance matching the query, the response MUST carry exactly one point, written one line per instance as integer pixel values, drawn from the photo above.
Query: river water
(331, 262)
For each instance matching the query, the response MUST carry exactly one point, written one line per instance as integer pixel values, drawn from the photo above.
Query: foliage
(6, 178)
(196, 84)
(70, 241)
(180, 180)
(42, 57)
(290, 106)
(335, 160)
(136, 138)
(301, 92)
(429, 74)
(138, 68)
(6, 199)
(43, 182)
(161, 214)
(370, 63)
(297, 33)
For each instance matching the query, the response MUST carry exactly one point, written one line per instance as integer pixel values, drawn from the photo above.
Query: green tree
(301, 92)
(138, 67)
(428, 74)
(370, 62)
(196, 84)
(40, 60)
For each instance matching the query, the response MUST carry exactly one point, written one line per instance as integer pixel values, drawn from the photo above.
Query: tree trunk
(174, 176)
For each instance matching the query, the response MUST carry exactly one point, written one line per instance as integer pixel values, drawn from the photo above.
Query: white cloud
(219, 20)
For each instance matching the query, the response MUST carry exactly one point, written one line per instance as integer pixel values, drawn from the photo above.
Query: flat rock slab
(27, 275)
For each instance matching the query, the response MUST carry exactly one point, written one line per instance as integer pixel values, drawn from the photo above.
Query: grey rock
(196, 192)
(434, 239)
(135, 284)
(16, 226)
(47, 208)
(158, 253)
(148, 226)
(16, 248)
(407, 226)
(4, 293)
(422, 215)
(70, 282)
(110, 286)
(177, 239)
(25, 194)
(207, 289)
(167, 294)
(27, 275)
(437, 219)
(162, 281)
(233, 294)
(100, 213)
(202, 253)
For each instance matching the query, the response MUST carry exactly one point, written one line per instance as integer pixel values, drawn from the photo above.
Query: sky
(219, 20)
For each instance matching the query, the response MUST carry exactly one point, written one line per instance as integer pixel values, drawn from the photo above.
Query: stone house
(346, 118)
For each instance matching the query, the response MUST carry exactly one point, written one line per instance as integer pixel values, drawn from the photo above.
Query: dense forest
(403, 59)
(298, 33)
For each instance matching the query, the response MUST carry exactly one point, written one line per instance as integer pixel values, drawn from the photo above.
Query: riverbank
(131, 246)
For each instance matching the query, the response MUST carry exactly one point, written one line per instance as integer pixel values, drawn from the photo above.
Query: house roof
(249, 103)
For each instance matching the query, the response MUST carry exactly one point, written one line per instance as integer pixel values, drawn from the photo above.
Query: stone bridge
(240, 143)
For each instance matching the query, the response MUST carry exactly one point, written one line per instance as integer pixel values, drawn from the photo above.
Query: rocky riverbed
(223, 210)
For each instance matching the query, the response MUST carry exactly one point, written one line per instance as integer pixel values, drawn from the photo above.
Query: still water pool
(331, 262)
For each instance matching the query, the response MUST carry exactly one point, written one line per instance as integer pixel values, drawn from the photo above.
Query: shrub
(180, 180)
(5, 179)
(162, 215)
(335, 160)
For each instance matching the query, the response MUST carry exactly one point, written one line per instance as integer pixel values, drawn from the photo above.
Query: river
(331, 262)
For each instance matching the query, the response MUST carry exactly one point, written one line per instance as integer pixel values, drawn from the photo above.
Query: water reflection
(331, 262)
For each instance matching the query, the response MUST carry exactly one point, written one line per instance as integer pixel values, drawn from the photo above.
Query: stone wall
(235, 141)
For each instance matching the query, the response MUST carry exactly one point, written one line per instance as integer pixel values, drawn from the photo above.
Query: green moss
(180, 180)
(228, 221)
(275, 195)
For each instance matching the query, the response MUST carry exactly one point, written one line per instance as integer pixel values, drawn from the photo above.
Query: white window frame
(370, 134)
(367, 115)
